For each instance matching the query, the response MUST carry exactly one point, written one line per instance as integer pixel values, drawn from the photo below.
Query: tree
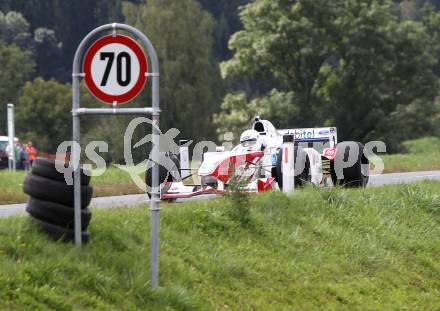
(14, 29)
(16, 67)
(70, 20)
(48, 53)
(43, 113)
(435, 118)
(44, 45)
(383, 86)
(182, 34)
(352, 64)
(228, 22)
(237, 112)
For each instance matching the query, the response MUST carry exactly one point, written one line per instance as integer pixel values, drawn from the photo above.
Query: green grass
(11, 184)
(420, 155)
(328, 249)
(113, 182)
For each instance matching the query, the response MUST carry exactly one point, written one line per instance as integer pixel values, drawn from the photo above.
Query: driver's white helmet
(250, 138)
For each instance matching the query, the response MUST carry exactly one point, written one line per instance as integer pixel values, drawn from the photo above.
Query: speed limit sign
(115, 69)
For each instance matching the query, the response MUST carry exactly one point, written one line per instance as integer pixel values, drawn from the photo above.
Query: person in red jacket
(32, 153)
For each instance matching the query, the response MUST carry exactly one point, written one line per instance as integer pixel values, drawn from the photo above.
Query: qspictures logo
(168, 145)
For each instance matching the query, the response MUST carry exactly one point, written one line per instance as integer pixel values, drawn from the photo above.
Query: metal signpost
(115, 69)
(11, 136)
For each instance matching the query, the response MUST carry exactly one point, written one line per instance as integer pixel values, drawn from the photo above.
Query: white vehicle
(4, 151)
(257, 162)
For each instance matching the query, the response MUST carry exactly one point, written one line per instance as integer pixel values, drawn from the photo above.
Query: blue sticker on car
(274, 159)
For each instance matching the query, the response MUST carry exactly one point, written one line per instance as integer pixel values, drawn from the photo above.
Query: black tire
(304, 178)
(57, 214)
(301, 178)
(59, 233)
(55, 191)
(164, 174)
(46, 168)
(277, 169)
(209, 181)
(356, 176)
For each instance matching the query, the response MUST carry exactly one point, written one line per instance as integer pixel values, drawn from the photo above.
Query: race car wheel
(54, 191)
(209, 181)
(277, 171)
(46, 168)
(164, 175)
(357, 175)
(57, 214)
(301, 178)
(59, 233)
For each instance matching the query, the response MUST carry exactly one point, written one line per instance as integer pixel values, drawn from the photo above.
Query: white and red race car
(256, 163)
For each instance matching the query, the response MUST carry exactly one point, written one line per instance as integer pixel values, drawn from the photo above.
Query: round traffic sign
(115, 69)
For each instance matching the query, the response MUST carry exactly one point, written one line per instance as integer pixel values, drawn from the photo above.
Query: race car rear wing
(311, 135)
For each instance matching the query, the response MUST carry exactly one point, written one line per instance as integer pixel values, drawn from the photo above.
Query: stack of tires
(51, 201)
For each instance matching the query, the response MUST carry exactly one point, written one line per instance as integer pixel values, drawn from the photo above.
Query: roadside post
(184, 159)
(288, 163)
(115, 69)
(11, 136)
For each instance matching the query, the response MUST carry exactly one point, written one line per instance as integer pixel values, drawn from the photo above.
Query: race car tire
(301, 178)
(164, 175)
(304, 178)
(46, 168)
(59, 233)
(55, 191)
(356, 176)
(57, 214)
(209, 181)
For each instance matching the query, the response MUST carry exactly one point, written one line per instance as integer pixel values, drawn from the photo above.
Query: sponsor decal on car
(304, 134)
(274, 159)
(329, 153)
(310, 134)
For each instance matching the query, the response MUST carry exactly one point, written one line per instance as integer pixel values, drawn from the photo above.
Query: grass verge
(112, 183)
(328, 249)
(420, 155)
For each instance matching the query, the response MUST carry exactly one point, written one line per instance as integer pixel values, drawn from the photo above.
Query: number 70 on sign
(115, 69)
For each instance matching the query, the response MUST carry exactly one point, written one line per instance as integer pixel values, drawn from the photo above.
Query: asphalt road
(403, 178)
(141, 199)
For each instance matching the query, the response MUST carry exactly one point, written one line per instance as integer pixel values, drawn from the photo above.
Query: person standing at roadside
(23, 157)
(32, 153)
(17, 150)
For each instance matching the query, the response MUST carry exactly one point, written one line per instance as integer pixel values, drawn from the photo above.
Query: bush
(238, 208)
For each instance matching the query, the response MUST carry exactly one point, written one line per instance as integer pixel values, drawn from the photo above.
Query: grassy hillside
(373, 249)
(420, 155)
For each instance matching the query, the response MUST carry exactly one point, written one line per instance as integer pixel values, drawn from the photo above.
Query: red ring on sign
(87, 66)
